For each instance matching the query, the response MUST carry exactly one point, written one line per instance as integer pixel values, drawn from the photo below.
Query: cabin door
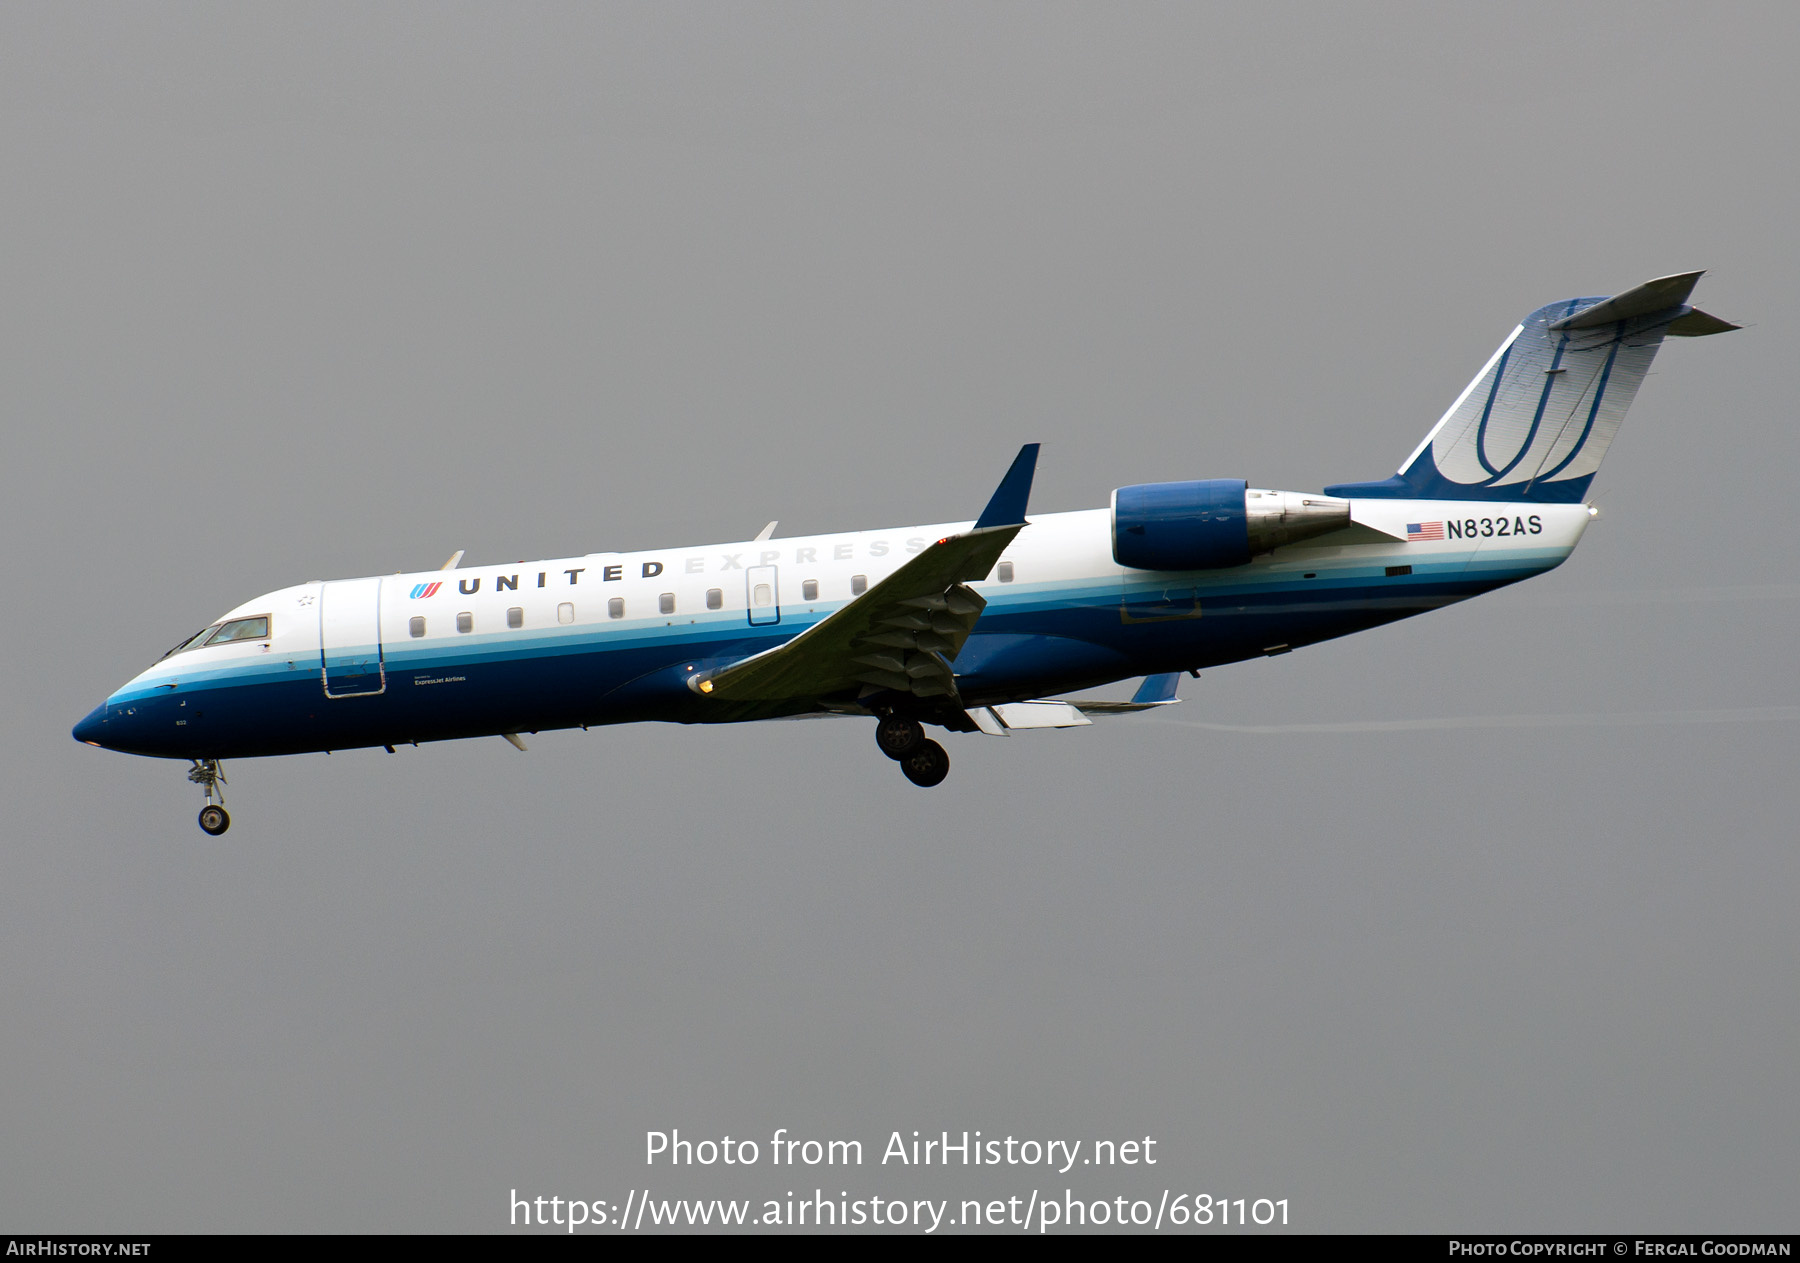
(350, 638)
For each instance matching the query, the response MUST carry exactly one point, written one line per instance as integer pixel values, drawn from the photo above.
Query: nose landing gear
(209, 775)
(902, 738)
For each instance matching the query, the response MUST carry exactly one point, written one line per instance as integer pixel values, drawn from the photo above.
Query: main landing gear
(902, 738)
(209, 775)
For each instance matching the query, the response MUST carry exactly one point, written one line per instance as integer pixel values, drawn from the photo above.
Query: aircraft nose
(92, 730)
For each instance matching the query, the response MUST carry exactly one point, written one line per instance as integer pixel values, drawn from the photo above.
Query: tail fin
(1536, 422)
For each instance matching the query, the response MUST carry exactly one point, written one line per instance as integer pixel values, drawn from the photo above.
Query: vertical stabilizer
(1536, 422)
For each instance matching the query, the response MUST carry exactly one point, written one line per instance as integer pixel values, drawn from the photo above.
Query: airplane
(971, 627)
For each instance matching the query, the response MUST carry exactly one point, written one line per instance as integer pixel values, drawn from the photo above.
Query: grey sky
(313, 291)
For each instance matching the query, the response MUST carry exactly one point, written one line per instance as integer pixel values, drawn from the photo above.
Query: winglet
(1007, 508)
(1157, 689)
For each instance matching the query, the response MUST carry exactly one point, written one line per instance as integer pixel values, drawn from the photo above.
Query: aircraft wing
(901, 635)
(1156, 690)
(1007, 717)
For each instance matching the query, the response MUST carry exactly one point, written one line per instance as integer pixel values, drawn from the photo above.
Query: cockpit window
(191, 641)
(241, 629)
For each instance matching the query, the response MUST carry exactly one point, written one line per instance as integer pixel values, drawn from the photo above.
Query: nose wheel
(209, 775)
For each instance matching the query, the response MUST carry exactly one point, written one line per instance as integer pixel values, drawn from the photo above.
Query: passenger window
(1005, 572)
(715, 599)
(615, 608)
(565, 613)
(416, 625)
(241, 629)
(859, 584)
(515, 617)
(465, 622)
(809, 590)
(665, 603)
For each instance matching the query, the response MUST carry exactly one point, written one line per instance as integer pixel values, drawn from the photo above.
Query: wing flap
(1048, 714)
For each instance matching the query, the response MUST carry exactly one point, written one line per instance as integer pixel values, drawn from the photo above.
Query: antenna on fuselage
(455, 557)
(765, 532)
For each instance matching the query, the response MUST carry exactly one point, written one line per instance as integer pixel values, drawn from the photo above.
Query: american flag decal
(426, 589)
(1416, 531)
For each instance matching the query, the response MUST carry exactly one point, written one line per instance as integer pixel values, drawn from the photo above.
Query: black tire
(214, 819)
(899, 735)
(926, 766)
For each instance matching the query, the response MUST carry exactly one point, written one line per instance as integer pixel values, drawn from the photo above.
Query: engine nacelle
(1214, 524)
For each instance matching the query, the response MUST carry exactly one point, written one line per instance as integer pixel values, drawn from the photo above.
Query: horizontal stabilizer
(1698, 324)
(1641, 300)
(1379, 524)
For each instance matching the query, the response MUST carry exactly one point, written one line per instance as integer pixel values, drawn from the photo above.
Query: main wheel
(898, 735)
(214, 820)
(926, 766)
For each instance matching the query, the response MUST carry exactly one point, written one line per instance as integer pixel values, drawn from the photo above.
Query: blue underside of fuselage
(1027, 644)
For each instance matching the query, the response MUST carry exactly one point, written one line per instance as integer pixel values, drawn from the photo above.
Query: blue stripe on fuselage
(1033, 639)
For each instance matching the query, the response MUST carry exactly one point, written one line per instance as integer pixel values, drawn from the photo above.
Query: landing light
(706, 686)
(1593, 510)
